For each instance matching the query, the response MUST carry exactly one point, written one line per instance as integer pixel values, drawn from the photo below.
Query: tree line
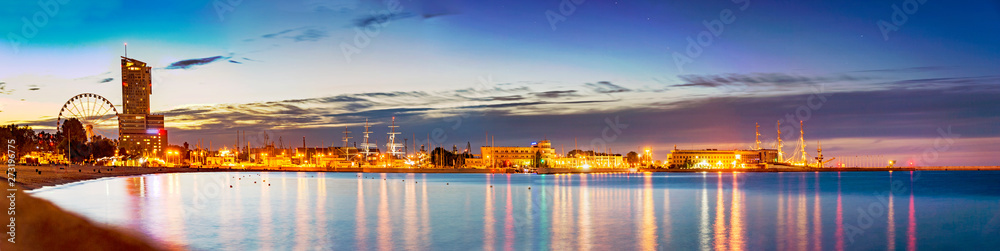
(80, 148)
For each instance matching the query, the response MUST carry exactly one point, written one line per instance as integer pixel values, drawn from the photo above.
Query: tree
(23, 136)
(101, 147)
(47, 141)
(632, 158)
(74, 129)
(184, 154)
(538, 160)
(76, 140)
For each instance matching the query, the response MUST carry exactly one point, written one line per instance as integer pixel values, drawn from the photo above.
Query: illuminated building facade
(716, 159)
(515, 156)
(586, 161)
(139, 132)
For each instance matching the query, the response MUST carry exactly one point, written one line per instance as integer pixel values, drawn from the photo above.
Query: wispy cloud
(761, 79)
(905, 70)
(607, 87)
(187, 64)
(556, 94)
(379, 19)
(310, 35)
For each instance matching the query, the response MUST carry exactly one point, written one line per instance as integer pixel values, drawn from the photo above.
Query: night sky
(915, 82)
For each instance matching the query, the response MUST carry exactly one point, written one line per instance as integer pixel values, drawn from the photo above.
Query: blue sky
(279, 67)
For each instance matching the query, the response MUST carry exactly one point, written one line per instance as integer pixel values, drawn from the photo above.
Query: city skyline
(892, 95)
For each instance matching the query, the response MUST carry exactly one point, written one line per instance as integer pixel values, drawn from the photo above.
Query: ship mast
(392, 146)
(366, 146)
(802, 141)
(757, 138)
(347, 136)
(780, 144)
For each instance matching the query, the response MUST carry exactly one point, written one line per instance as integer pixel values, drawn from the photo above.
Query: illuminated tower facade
(139, 132)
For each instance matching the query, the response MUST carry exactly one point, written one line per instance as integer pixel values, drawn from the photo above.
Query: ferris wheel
(96, 113)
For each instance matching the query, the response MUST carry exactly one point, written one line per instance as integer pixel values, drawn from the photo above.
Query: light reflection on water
(706, 211)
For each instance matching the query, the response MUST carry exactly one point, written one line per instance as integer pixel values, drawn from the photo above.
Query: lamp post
(267, 162)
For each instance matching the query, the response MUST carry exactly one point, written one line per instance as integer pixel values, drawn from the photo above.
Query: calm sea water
(663, 211)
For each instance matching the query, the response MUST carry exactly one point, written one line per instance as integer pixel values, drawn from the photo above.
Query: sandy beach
(40, 225)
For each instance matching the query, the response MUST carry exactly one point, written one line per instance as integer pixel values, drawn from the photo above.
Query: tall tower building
(139, 132)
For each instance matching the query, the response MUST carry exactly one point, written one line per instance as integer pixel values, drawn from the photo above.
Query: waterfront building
(139, 132)
(715, 158)
(514, 156)
(588, 160)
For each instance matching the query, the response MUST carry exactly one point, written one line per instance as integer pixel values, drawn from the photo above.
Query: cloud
(331, 5)
(4, 90)
(905, 70)
(187, 64)
(508, 98)
(760, 79)
(306, 34)
(106, 80)
(310, 35)
(556, 94)
(235, 62)
(956, 84)
(898, 112)
(607, 87)
(273, 35)
(380, 19)
(433, 15)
